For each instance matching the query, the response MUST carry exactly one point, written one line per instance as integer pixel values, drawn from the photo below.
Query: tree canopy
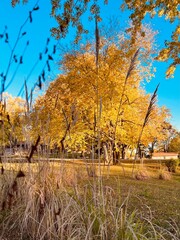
(174, 145)
(12, 120)
(72, 104)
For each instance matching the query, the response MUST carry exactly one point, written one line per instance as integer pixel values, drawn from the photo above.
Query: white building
(165, 155)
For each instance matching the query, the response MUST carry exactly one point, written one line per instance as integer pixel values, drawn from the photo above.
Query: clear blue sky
(39, 30)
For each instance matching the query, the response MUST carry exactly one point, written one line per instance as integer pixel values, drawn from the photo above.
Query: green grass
(161, 196)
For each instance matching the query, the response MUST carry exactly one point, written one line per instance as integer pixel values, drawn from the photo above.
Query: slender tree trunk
(106, 155)
(123, 151)
(64, 137)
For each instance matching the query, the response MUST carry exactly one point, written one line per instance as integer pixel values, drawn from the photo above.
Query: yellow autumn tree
(67, 115)
(12, 120)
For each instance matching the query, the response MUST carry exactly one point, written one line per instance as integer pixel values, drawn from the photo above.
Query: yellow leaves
(178, 30)
(172, 51)
(170, 71)
(161, 12)
(14, 104)
(164, 54)
(73, 99)
(153, 13)
(170, 10)
(143, 34)
(176, 34)
(123, 6)
(67, 6)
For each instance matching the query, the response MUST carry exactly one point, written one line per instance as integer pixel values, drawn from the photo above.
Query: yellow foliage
(83, 101)
(170, 71)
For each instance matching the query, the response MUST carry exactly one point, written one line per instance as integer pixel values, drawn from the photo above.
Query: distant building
(164, 155)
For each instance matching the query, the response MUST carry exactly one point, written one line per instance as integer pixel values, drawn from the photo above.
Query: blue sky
(38, 32)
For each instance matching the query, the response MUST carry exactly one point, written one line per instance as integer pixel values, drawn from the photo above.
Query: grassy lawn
(155, 200)
(159, 199)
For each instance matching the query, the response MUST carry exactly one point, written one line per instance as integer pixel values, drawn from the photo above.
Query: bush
(172, 165)
(164, 175)
(142, 174)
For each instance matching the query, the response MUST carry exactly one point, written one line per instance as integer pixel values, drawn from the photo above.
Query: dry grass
(63, 201)
(142, 174)
(165, 175)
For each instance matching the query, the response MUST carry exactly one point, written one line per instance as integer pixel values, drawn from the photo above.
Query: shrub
(142, 174)
(164, 175)
(172, 165)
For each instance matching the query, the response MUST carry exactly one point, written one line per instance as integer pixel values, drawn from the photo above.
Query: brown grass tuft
(164, 175)
(142, 175)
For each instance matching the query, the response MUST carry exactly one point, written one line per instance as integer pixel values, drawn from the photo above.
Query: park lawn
(153, 199)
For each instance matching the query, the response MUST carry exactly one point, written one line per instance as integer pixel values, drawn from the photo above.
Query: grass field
(78, 200)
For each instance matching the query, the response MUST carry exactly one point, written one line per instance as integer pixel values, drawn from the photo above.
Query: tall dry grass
(62, 202)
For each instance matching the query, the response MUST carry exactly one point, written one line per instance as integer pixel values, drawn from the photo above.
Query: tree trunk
(62, 145)
(106, 156)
